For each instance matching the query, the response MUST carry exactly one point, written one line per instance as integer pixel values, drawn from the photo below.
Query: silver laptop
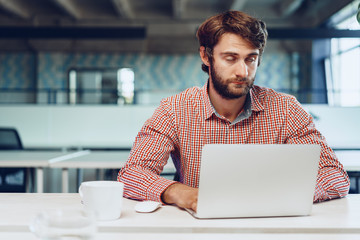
(253, 180)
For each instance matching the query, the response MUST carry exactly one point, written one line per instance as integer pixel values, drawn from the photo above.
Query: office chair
(11, 179)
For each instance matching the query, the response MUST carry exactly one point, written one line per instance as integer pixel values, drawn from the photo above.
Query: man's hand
(181, 195)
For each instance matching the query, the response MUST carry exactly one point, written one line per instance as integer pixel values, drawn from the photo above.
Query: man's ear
(204, 56)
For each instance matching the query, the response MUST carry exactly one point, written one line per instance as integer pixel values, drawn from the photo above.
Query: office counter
(97, 160)
(35, 159)
(117, 159)
(351, 162)
(107, 160)
(336, 219)
(112, 160)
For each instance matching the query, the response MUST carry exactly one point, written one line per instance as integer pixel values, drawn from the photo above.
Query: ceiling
(169, 25)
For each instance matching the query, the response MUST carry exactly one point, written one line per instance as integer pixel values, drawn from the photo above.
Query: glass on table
(69, 224)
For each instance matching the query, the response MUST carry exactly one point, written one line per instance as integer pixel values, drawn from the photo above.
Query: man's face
(233, 66)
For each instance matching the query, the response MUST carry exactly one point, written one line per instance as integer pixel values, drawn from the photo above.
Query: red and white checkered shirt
(184, 123)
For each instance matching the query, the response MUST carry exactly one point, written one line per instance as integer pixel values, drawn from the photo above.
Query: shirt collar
(209, 110)
(255, 99)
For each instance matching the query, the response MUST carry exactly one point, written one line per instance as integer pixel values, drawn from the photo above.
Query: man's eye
(230, 59)
(251, 59)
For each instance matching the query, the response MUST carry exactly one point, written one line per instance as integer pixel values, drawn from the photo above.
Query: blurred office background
(133, 53)
(52, 48)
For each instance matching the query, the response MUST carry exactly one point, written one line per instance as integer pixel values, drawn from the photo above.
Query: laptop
(254, 180)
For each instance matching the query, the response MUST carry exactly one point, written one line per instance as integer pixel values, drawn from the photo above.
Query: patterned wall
(152, 72)
(17, 70)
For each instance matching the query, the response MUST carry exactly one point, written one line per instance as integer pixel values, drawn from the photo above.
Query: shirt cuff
(156, 189)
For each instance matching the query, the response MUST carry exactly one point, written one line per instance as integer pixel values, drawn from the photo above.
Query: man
(227, 109)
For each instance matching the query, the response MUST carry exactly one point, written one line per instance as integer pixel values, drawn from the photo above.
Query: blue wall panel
(152, 72)
(17, 70)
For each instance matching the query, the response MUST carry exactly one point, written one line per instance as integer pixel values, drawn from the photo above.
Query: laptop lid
(254, 180)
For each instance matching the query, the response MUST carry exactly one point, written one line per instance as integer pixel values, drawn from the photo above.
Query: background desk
(351, 162)
(97, 160)
(336, 219)
(113, 160)
(350, 159)
(33, 159)
(117, 159)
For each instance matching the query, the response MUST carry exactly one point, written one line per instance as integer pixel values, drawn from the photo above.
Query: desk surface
(341, 216)
(107, 159)
(116, 159)
(102, 160)
(95, 159)
(112, 159)
(350, 159)
(35, 159)
(19, 158)
(196, 236)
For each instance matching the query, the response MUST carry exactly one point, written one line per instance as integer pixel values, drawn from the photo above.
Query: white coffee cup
(102, 197)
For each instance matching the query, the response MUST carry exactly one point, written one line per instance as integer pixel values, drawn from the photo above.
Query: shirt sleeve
(332, 180)
(149, 155)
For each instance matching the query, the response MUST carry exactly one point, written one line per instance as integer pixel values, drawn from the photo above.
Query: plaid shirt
(184, 123)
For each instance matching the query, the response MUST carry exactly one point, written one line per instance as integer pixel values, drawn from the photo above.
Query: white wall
(339, 125)
(116, 126)
(75, 126)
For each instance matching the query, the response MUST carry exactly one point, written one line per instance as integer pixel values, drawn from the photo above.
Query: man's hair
(251, 29)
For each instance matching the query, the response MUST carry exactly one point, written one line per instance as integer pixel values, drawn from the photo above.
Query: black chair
(11, 179)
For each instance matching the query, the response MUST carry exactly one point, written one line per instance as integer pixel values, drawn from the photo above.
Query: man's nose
(241, 69)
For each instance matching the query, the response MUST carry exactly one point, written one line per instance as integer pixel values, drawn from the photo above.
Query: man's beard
(223, 89)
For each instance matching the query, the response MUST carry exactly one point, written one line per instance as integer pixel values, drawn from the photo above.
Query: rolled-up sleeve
(332, 179)
(149, 154)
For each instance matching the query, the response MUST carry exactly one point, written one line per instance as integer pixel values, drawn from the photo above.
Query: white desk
(196, 236)
(336, 219)
(351, 162)
(97, 160)
(117, 159)
(350, 159)
(35, 159)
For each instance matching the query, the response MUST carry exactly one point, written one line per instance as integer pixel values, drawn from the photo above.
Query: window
(343, 66)
(125, 77)
(101, 86)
